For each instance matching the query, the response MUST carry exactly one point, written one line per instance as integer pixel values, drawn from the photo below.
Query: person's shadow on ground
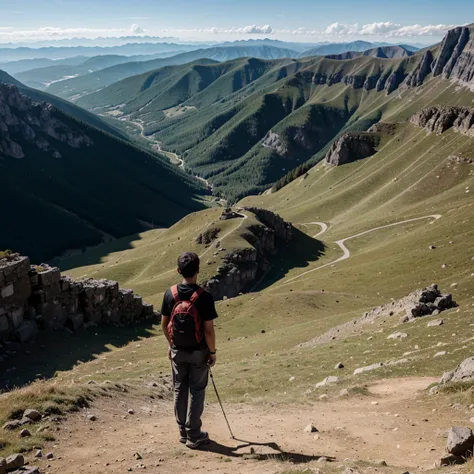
(278, 455)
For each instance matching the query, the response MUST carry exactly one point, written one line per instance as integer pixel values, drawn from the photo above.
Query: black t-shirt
(204, 304)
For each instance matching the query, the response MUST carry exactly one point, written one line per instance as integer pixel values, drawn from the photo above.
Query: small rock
(344, 392)
(292, 379)
(436, 322)
(50, 456)
(39, 454)
(328, 380)
(33, 415)
(382, 463)
(262, 331)
(323, 397)
(25, 434)
(12, 425)
(322, 459)
(439, 354)
(92, 418)
(339, 365)
(374, 403)
(432, 247)
(398, 335)
(311, 429)
(131, 412)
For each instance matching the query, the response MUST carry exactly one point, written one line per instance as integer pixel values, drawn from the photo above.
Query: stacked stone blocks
(39, 297)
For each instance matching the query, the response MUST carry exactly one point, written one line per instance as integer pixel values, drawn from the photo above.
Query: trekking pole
(220, 403)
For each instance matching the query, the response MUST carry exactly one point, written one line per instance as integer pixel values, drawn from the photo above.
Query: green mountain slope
(71, 185)
(77, 87)
(257, 120)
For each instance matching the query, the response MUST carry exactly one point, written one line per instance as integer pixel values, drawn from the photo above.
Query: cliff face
(456, 56)
(351, 147)
(438, 119)
(24, 121)
(242, 268)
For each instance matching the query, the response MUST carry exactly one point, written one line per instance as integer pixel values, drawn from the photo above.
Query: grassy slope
(411, 176)
(398, 183)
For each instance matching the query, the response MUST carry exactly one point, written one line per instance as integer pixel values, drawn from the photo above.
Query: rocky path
(391, 423)
(346, 253)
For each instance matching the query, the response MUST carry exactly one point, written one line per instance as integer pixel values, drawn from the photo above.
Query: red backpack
(185, 326)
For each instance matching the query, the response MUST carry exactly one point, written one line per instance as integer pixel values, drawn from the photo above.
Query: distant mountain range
(387, 52)
(77, 87)
(353, 46)
(42, 77)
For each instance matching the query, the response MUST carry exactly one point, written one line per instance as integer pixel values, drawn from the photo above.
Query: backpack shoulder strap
(175, 293)
(196, 295)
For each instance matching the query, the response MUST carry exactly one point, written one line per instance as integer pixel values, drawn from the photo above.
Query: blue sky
(218, 20)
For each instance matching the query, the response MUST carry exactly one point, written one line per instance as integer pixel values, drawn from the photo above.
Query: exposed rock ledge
(351, 147)
(243, 267)
(438, 119)
(23, 120)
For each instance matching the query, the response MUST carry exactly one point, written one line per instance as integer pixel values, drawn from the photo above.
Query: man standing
(187, 320)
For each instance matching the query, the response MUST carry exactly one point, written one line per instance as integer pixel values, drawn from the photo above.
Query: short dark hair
(188, 264)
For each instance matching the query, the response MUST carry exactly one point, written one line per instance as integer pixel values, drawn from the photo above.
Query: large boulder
(460, 441)
(463, 372)
(15, 461)
(351, 147)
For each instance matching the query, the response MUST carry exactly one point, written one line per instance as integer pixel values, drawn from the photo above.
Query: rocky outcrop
(464, 372)
(418, 75)
(438, 119)
(39, 297)
(24, 121)
(242, 268)
(273, 141)
(283, 230)
(351, 147)
(455, 59)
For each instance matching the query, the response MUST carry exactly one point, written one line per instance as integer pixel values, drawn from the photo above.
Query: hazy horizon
(56, 22)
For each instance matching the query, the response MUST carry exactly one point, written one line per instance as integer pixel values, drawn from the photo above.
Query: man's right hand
(212, 360)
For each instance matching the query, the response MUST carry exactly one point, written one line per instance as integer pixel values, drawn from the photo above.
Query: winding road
(179, 160)
(323, 225)
(346, 253)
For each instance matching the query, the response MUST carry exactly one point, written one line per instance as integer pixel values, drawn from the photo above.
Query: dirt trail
(401, 429)
(346, 253)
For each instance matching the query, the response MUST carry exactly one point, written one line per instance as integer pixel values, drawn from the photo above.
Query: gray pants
(190, 376)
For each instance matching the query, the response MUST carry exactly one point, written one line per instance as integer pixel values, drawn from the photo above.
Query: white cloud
(136, 29)
(379, 28)
(259, 30)
(419, 30)
(386, 28)
(334, 32)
